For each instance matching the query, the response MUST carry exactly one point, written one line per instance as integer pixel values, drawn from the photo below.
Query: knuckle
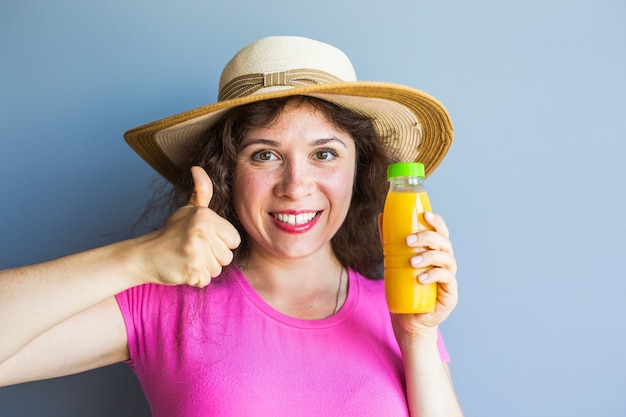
(228, 257)
(204, 280)
(215, 270)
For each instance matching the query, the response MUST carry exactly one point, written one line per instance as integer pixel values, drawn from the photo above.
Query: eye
(264, 156)
(325, 154)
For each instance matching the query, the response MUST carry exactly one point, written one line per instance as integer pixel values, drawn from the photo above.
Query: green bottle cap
(405, 169)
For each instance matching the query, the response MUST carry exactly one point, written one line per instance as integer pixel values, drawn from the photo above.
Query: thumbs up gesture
(194, 244)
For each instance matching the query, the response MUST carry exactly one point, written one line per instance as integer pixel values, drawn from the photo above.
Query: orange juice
(404, 215)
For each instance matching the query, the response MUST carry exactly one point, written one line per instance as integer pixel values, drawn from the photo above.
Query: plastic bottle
(403, 215)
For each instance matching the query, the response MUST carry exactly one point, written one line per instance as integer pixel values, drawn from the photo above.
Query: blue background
(532, 188)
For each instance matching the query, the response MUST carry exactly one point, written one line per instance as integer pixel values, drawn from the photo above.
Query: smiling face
(293, 183)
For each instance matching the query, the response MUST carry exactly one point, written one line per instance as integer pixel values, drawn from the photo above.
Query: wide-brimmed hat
(413, 125)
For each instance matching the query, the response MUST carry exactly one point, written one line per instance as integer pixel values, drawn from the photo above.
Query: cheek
(340, 186)
(247, 189)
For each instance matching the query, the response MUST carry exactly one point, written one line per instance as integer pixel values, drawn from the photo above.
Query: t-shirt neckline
(344, 312)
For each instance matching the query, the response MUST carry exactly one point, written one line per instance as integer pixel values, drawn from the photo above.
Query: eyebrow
(324, 141)
(273, 143)
(266, 142)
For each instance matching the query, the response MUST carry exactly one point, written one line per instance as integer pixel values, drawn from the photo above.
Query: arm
(430, 391)
(36, 298)
(49, 309)
(93, 338)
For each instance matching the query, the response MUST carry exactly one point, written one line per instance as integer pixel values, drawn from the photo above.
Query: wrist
(420, 351)
(410, 336)
(132, 261)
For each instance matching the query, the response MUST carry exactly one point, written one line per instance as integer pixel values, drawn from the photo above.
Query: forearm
(190, 249)
(35, 298)
(429, 387)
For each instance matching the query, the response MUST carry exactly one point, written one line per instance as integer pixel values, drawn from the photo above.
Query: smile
(295, 219)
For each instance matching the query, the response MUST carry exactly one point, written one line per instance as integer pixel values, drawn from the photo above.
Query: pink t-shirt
(223, 351)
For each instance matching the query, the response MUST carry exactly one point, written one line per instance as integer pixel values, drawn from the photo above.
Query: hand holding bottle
(420, 268)
(438, 258)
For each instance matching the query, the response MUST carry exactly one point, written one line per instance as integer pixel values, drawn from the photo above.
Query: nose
(295, 182)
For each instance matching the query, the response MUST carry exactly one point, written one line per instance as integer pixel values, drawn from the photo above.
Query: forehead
(302, 118)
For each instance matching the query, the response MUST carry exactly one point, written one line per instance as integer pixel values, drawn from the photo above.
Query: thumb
(202, 188)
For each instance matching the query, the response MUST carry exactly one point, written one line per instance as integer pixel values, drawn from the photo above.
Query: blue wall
(531, 189)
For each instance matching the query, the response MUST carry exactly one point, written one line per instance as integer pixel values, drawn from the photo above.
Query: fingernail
(411, 239)
(429, 216)
(416, 260)
(424, 278)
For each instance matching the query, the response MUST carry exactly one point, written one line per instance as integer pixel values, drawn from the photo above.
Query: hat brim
(413, 125)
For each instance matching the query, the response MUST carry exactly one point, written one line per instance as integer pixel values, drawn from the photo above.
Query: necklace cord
(339, 290)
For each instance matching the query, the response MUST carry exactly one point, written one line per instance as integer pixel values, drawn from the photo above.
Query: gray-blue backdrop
(532, 188)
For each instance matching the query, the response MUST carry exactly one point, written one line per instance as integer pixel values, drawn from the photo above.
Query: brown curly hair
(356, 244)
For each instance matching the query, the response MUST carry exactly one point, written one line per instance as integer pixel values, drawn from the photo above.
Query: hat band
(250, 83)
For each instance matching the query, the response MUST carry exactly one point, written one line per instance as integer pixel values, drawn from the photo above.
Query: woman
(287, 180)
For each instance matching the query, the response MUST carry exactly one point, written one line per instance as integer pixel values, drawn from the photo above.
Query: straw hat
(413, 125)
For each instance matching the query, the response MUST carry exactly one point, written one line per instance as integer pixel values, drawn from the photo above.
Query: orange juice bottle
(404, 215)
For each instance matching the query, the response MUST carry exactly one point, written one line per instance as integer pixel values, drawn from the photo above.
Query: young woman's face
(293, 183)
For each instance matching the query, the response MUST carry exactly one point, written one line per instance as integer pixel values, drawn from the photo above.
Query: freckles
(243, 177)
(259, 181)
(342, 177)
(250, 185)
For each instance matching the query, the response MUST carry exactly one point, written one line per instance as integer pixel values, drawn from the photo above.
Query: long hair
(356, 244)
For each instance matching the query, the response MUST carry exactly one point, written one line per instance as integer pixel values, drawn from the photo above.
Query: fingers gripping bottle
(403, 215)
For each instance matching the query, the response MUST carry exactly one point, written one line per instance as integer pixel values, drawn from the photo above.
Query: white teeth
(295, 219)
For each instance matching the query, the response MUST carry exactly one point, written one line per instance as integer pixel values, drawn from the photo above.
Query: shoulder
(367, 285)
(369, 293)
(156, 297)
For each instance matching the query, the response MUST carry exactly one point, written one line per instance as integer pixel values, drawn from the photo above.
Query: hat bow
(245, 85)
